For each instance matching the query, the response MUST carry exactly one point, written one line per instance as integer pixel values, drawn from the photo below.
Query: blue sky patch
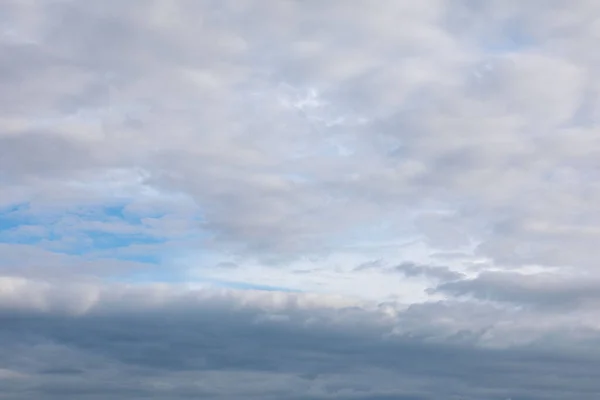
(80, 231)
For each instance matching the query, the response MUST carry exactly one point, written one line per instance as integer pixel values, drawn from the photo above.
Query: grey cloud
(543, 290)
(38, 154)
(210, 349)
(411, 270)
(227, 265)
(435, 272)
(375, 264)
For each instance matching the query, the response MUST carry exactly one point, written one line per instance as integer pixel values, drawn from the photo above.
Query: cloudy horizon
(285, 199)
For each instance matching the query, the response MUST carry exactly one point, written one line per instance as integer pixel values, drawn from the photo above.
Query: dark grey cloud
(227, 265)
(543, 290)
(195, 349)
(435, 272)
(413, 270)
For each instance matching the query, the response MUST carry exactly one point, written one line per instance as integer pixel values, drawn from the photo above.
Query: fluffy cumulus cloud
(299, 199)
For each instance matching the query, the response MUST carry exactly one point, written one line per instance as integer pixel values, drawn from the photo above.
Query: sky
(299, 199)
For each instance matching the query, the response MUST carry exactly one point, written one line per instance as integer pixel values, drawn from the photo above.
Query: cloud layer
(155, 341)
(299, 199)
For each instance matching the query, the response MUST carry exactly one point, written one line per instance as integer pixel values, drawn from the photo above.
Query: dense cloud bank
(157, 341)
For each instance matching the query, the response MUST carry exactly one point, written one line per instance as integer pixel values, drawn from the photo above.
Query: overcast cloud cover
(299, 199)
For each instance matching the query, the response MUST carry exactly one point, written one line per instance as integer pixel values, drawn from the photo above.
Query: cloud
(545, 290)
(32, 261)
(386, 187)
(441, 273)
(286, 139)
(160, 340)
